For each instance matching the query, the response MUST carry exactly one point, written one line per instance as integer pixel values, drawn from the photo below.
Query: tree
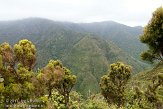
(113, 84)
(16, 66)
(51, 75)
(55, 76)
(1, 89)
(153, 37)
(25, 53)
(65, 86)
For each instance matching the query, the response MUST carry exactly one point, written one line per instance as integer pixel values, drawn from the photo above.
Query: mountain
(125, 37)
(91, 57)
(87, 49)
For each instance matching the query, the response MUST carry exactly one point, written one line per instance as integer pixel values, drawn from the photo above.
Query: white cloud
(130, 12)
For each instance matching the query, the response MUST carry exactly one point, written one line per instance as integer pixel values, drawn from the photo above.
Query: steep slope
(149, 74)
(146, 78)
(127, 38)
(89, 60)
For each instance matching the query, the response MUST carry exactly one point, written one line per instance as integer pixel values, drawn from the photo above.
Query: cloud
(130, 12)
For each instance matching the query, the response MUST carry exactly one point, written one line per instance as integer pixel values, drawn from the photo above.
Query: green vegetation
(52, 85)
(85, 52)
(18, 80)
(153, 37)
(26, 81)
(148, 88)
(113, 84)
(16, 70)
(89, 59)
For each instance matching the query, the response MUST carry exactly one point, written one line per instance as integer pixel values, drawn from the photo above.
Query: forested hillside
(87, 49)
(123, 36)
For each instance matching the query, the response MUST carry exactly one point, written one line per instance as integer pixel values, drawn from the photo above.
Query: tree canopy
(153, 37)
(113, 84)
(19, 81)
(16, 70)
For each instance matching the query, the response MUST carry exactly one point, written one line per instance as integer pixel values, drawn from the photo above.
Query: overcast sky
(129, 12)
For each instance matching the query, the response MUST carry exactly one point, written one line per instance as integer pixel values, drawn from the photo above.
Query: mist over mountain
(86, 48)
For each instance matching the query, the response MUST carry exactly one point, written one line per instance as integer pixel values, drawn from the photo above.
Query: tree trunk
(50, 93)
(66, 97)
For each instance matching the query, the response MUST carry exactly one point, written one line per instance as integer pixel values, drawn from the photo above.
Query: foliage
(113, 84)
(95, 102)
(18, 81)
(15, 71)
(153, 37)
(135, 99)
(55, 76)
(151, 95)
(51, 75)
(145, 90)
(66, 85)
(25, 53)
(57, 101)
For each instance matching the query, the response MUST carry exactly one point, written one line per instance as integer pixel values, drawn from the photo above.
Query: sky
(129, 12)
